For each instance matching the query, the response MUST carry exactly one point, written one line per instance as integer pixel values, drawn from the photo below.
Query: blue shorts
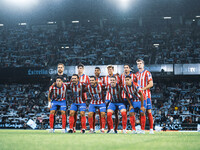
(137, 105)
(113, 106)
(149, 105)
(126, 101)
(75, 107)
(55, 104)
(101, 107)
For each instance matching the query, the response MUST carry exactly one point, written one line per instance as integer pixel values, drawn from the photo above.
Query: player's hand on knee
(142, 108)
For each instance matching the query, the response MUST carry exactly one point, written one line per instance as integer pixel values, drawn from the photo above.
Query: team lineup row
(111, 93)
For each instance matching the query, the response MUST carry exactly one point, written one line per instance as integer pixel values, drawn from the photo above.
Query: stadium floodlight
(75, 21)
(51, 22)
(22, 24)
(124, 4)
(23, 4)
(167, 18)
(66, 46)
(156, 45)
(1, 25)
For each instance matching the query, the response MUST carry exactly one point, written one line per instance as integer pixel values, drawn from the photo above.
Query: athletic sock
(71, 122)
(150, 120)
(51, 120)
(110, 121)
(142, 122)
(90, 120)
(124, 120)
(63, 121)
(132, 121)
(83, 122)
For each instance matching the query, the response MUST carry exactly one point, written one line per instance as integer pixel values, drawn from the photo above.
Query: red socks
(110, 121)
(124, 119)
(142, 122)
(63, 121)
(150, 120)
(90, 120)
(51, 120)
(103, 122)
(132, 121)
(71, 122)
(83, 122)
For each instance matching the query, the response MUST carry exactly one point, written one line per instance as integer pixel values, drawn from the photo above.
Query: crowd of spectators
(32, 46)
(179, 103)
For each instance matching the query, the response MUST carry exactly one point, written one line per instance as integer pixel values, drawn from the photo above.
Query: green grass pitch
(42, 140)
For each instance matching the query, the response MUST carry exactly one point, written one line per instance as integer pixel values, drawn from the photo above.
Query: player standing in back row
(106, 81)
(145, 82)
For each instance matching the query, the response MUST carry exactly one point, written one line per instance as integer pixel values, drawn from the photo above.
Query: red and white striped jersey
(100, 80)
(133, 77)
(84, 79)
(143, 79)
(106, 80)
(58, 94)
(114, 94)
(77, 92)
(134, 90)
(96, 93)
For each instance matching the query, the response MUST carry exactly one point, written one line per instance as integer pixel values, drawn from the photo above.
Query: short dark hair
(128, 77)
(114, 77)
(80, 65)
(97, 68)
(128, 65)
(76, 75)
(59, 77)
(93, 77)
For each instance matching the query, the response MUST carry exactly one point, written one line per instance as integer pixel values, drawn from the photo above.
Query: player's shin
(63, 121)
(110, 121)
(142, 121)
(51, 120)
(90, 120)
(124, 120)
(103, 122)
(83, 122)
(132, 121)
(71, 122)
(150, 117)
